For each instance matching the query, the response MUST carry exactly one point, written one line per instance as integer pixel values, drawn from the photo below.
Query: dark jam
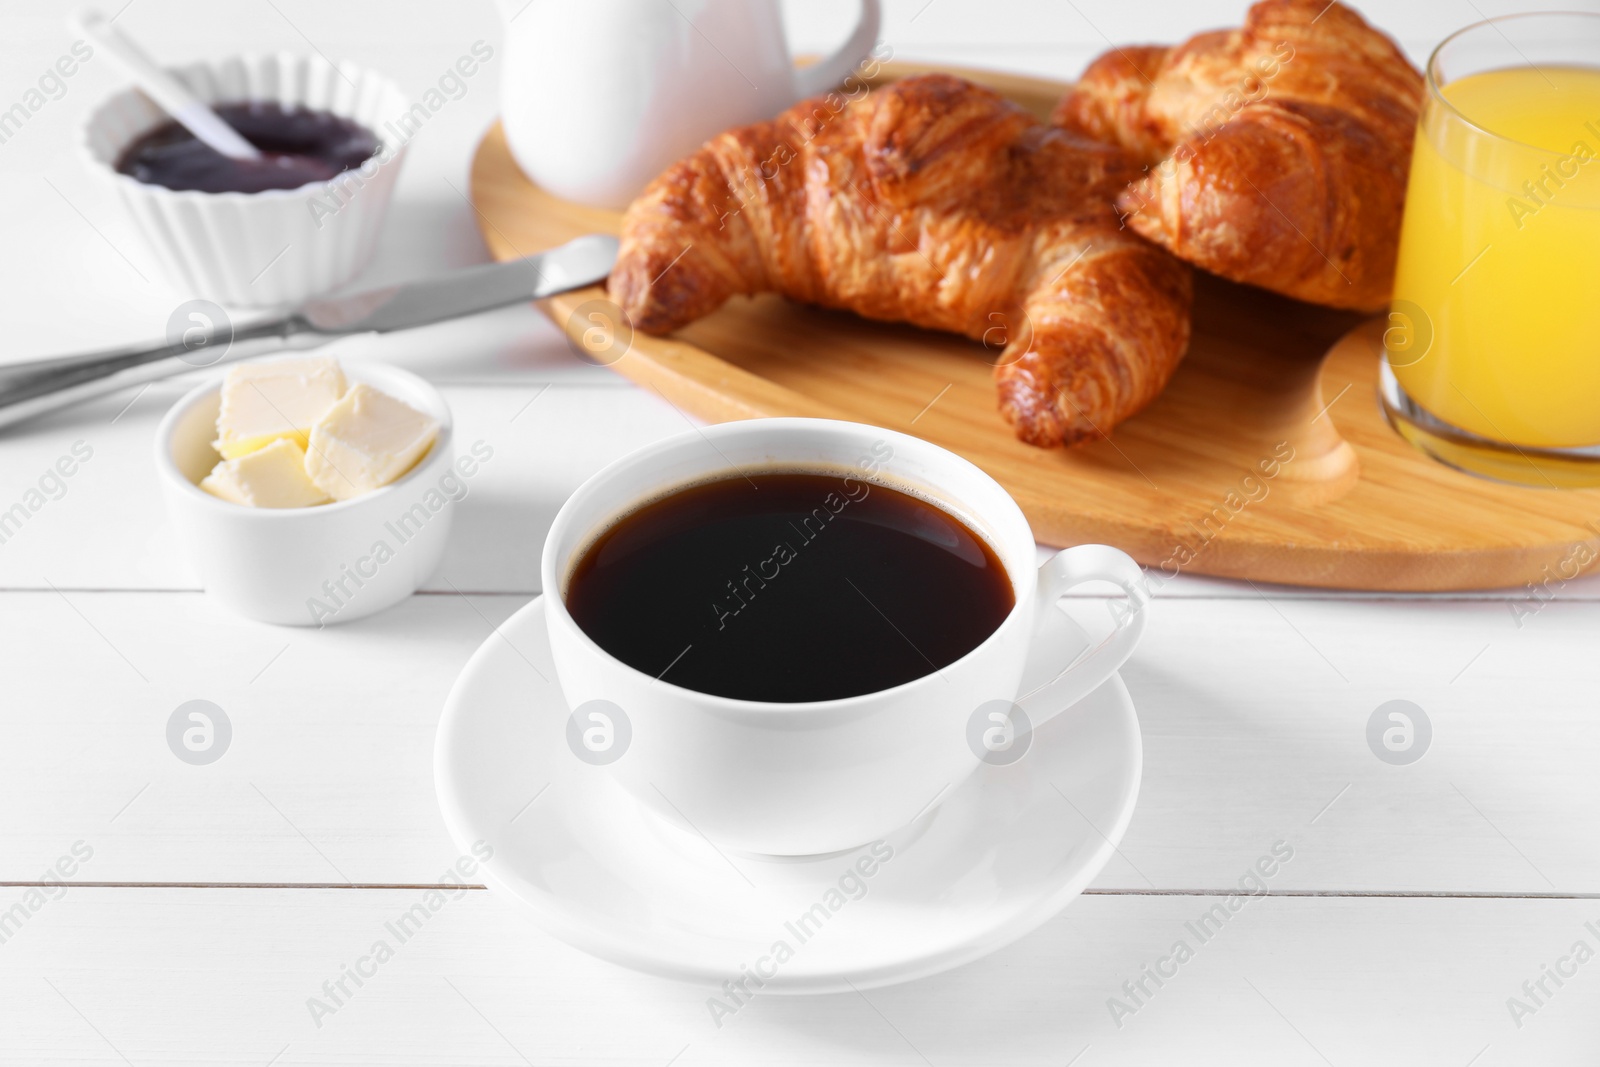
(298, 147)
(789, 587)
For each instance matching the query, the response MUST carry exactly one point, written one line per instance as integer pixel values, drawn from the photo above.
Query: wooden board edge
(679, 371)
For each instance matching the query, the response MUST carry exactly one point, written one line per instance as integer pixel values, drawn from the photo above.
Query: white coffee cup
(809, 778)
(599, 96)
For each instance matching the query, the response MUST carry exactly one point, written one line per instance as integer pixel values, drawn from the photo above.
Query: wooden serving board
(1268, 456)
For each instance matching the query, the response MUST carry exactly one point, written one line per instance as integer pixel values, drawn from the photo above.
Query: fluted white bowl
(282, 246)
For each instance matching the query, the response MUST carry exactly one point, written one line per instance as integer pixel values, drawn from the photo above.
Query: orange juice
(1496, 322)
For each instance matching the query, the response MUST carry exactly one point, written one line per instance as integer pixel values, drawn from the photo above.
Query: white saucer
(1003, 852)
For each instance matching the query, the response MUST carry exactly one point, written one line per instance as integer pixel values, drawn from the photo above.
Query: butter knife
(42, 385)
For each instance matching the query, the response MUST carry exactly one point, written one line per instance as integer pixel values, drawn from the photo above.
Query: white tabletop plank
(558, 423)
(77, 231)
(546, 441)
(76, 274)
(1253, 715)
(177, 976)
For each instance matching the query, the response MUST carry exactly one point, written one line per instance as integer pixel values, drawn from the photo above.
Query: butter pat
(270, 477)
(266, 402)
(365, 441)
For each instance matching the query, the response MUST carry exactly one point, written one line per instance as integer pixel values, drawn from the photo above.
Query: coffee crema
(789, 586)
(298, 146)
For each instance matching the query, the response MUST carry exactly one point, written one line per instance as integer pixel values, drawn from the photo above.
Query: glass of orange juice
(1492, 354)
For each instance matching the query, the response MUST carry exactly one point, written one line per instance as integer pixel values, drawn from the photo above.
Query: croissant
(935, 202)
(1278, 152)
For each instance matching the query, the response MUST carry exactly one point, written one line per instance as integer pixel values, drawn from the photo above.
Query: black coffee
(789, 587)
(297, 146)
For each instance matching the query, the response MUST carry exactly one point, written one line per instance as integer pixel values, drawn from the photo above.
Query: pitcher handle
(827, 73)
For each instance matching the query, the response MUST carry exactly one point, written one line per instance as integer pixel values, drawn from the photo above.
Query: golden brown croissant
(1278, 152)
(935, 202)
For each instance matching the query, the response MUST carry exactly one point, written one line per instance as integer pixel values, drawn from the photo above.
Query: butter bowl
(328, 563)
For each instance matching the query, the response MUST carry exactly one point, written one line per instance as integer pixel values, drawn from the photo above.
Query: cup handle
(1089, 670)
(827, 73)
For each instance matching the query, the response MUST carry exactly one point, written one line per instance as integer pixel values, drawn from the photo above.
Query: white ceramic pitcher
(599, 96)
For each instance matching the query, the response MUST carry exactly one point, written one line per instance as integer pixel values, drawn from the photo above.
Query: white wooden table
(215, 900)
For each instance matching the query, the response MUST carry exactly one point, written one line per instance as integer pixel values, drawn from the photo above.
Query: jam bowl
(269, 246)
